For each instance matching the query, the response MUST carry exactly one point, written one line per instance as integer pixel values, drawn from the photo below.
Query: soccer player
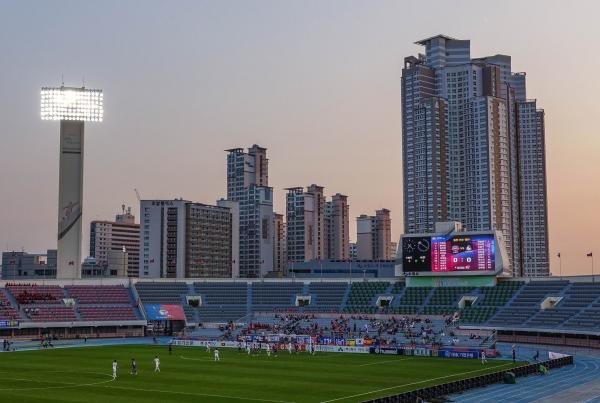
(248, 349)
(133, 367)
(208, 347)
(268, 349)
(483, 358)
(156, 364)
(217, 355)
(290, 347)
(114, 367)
(170, 348)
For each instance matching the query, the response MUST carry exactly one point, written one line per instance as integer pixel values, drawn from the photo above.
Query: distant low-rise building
(24, 265)
(113, 236)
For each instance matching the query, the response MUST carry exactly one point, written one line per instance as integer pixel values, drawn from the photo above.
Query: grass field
(190, 375)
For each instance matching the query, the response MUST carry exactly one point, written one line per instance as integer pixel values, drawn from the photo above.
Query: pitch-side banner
(552, 355)
(164, 312)
(235, 344)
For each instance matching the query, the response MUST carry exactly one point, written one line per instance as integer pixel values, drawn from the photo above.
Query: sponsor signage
(459, 353)
(9, 324)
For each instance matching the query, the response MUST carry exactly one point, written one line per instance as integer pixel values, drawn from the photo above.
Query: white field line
(413, 383)
(65, 385)
(383, 362)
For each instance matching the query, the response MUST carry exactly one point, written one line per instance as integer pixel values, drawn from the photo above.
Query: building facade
(337, 228)
(279, 245)
(183, 239)
(374, 236)
(464, 122)
(248, 184)
(107, 236)
(305, 223)
(23, 265)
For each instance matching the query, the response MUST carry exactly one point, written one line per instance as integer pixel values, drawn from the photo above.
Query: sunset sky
(315, 82)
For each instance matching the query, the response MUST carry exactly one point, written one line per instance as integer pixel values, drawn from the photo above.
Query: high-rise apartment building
(107, 236)
(305, 221)
(182, 239)
(532, 189)
(279, 245)
(374, 236)
(465, 123)
(248, 184)
(337, 224)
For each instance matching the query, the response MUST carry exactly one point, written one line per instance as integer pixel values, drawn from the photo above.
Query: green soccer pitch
(190, 375)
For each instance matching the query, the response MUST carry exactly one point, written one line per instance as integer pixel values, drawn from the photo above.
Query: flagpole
(560, 264)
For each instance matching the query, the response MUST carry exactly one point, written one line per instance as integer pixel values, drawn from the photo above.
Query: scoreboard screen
(455, 253)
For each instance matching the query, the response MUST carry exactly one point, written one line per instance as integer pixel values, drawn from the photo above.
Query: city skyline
(347, 103)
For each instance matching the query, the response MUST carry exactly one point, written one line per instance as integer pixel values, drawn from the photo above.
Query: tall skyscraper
(305, 212)
(107, 236)
(469, 146)
(248, 184)
(182, 239)
(337, 223)
(374, 236)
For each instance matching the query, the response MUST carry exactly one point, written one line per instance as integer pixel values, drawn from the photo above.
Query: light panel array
(65, 103)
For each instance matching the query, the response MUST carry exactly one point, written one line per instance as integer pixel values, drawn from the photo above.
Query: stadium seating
(362, 295)
(49, 313)
(162, 293)
(508, 305)
(327, 296)
(33, 293)
(107, 313)
(269, 296)
(93, 294)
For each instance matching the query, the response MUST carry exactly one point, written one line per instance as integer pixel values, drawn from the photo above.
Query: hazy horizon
(315, 82)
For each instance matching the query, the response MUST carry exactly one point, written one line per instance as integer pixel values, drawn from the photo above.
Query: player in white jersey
(248, 348)
(268, 349)
(114, 368)
(483, 357)
(156, 364)
(217, 355)
(208, 347)
(289, 347)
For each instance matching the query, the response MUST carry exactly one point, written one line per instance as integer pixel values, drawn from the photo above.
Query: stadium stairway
(345, 299)
(13, 303)
(249, 301)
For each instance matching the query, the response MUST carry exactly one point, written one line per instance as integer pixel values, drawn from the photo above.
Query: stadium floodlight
(66, 103)
(72, 107)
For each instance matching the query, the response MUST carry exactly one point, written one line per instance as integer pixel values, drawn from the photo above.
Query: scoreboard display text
(455, 253)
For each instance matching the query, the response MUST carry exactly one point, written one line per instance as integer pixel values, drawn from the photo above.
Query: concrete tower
(73, 107)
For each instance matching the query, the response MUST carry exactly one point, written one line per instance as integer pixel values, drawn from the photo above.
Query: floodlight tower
(73, 107)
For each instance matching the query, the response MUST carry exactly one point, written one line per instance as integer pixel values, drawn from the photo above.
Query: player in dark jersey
(133, 367)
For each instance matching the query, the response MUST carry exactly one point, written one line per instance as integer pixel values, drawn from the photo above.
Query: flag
(589, 254)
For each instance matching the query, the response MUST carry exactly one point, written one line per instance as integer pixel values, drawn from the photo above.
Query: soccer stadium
(258, 283)
(302, 340)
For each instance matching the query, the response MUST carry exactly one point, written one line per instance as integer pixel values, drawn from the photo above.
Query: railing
(431, 392)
